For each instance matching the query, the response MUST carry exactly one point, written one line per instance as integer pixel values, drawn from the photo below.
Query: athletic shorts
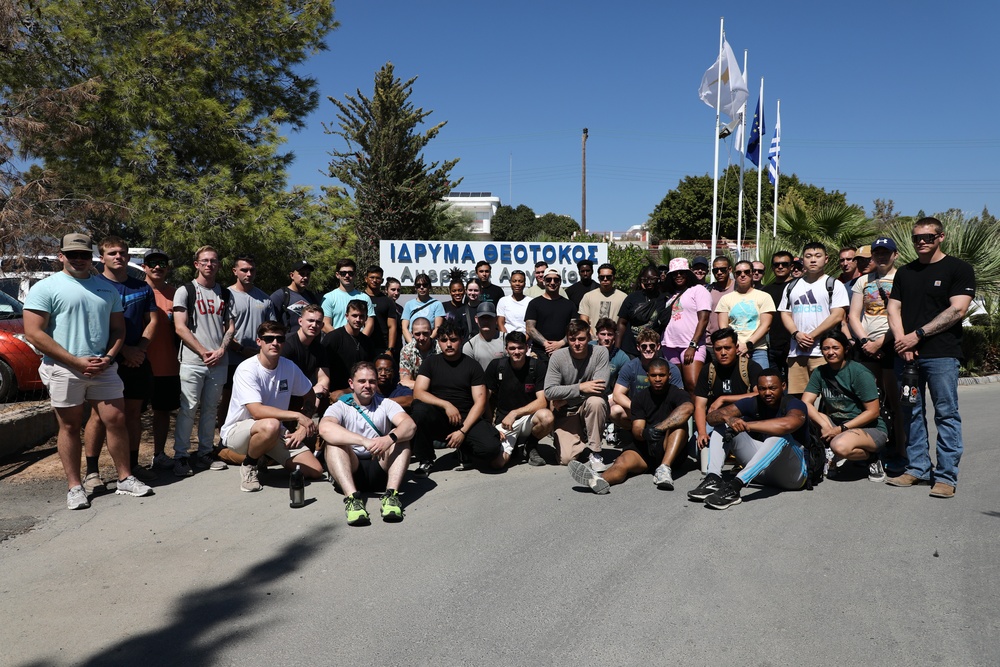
(239, 442)
(68, 389)
(370, 476)
(652, 454)
(138, 380)
(675, 355)
(166, 394)
(799, 369)
(878, 436)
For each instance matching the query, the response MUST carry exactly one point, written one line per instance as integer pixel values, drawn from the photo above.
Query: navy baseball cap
(885, 242)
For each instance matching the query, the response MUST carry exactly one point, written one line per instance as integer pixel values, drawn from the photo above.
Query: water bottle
(909, 384)
(297, 488)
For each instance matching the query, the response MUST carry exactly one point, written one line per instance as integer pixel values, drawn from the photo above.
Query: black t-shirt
(728, 381)
(343, 351)
(924, 292)
(577, 290)
(452, 381)
(463, 317)
(385, 309)
(640, 310)
(491, 293)
(308, 359)
(653, 408)
(296, 301)
(755, 409)
(551, 317)
(778, 337)
(511, 388)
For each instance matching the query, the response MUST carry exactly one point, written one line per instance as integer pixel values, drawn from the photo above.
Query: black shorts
(651, 454)
(370, 476)
(166, 393)
(138, 380)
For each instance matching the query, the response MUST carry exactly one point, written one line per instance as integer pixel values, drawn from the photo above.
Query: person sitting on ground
(450, 406)
(659, 433)
(517, 398)
(634, 377)
(389, 385)
(368, 438)
(417, 350)
(262, 391)
(850, 421)
(575, 382)
(727, 378)
(486, 345)
(766, 433)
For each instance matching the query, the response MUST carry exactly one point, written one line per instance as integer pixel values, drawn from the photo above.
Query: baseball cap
(73, 242)
(865, 251)
(154, 252)
(699, 260)
(885, 242)
(551, 272)
(302, 264)
(486, 308)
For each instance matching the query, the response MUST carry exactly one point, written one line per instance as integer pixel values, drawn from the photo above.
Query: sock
(133, 457)
(92, 464)
(389, 492)
(249, 461)
(737, 483)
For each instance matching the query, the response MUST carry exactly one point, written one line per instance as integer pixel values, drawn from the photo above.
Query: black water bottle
(297, 488)
(909, 384)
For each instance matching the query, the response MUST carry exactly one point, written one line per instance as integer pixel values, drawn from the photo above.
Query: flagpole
(760, 164)
(715, 180)
(777, 167)
(742, 150)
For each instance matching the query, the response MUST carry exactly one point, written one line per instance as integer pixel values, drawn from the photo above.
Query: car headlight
(24, 340)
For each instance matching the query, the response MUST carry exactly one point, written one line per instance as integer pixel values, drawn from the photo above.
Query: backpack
(815, 451)
(192, 291)
(744, 373)
(830, 281)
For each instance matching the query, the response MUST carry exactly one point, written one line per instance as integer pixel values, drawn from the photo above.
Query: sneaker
(535, 459)
(662, 478)
(76, 499)
(834, 469)
(130, 486)
(357, 515)
(144, 474)
(249, 480)
(876, 473)
(942, 490)
(392, 507)
(182, 468)
(163, 462)
(610, 435)
(206, 462)
(725, 497)
(906, 479)
(596, 462)
(93, 483)
(424, 469)
(588, 477)
(708, 486)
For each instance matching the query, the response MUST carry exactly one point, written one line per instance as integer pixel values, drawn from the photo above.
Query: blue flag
(774, 155)
(756, 130)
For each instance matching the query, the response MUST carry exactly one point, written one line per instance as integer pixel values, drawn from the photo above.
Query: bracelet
(796, 333)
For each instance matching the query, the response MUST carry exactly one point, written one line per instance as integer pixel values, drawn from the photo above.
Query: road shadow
(199, 629)
(17, 463)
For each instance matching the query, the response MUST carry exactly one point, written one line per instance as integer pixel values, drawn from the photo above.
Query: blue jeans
(760, 356)
(941, 377)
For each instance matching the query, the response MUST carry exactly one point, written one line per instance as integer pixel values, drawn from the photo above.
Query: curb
(982, 379)
(27, 427)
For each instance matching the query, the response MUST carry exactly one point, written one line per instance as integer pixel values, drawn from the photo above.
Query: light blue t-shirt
(79, 312)
(335, 305)
(425, 309)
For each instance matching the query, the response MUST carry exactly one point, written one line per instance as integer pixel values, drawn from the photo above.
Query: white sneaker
(130, 486)
(596, 462)
(663, 479)
(76, 499)
(249, 481)
(92, 483)
(586, 476)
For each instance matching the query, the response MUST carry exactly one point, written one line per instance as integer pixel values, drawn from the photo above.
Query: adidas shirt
(809, 304)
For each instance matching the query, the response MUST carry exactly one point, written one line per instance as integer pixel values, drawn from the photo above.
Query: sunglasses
(276, 338)
(720, 269)
(157, 263)
(420, 334)
(758, 270)
(648, 346)
(553, 280)
(419, 285)
(78, 255)
(780, 265)
(605, 277)
(742, 272)
(346, 274)
(923, 238)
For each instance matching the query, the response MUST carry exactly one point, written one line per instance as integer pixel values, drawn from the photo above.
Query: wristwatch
(843, 428)
(392, 436)
(749, 345)
(919, 332)
(862, 341)
(693, 345)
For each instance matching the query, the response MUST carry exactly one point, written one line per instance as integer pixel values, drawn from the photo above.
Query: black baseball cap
(302, 264)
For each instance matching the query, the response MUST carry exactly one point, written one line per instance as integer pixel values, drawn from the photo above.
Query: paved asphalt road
(518, 568)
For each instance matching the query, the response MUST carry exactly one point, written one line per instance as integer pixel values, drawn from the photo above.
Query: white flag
(774, 154)
(734, 88)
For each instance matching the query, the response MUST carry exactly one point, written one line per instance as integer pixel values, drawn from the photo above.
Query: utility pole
(583, 211)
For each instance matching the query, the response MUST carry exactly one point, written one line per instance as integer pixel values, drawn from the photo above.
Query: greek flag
(756, 130)
(774, 155)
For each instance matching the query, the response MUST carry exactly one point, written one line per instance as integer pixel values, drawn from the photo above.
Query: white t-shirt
(513, 312)
(809, 304)
(255, 384)
(380, 411)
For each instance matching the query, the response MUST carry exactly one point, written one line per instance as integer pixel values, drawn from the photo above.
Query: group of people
(356, 386)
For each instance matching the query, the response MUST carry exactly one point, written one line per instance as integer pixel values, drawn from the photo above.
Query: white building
(482, 205)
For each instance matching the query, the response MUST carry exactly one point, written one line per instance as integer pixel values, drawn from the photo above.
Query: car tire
(8, 383)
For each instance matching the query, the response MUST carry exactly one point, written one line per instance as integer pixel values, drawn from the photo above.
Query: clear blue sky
(887, 100)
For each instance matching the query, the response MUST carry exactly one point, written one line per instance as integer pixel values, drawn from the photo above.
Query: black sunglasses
(924, 238)
(780, 265)
(275, 338)
(346, 274)
(720, 269)
(742, 272)
(80, 254)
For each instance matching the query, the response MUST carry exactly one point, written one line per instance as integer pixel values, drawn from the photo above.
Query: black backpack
(830, 281)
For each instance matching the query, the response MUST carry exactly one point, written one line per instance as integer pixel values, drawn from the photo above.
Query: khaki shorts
(68, 389)
(239, 442)
(799, 369)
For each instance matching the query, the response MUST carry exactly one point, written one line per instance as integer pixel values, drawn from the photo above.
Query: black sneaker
(424, 469)
(708, 486)
(728, 495)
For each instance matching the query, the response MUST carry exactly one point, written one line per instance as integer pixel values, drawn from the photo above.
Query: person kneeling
(368, 445)
(766, 433)
(660, 415)
(262, 390)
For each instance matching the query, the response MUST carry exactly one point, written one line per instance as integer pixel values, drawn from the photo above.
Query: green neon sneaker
(392, 506)
(356, 513)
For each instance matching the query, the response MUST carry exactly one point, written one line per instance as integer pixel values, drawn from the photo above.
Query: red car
(19, 361)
